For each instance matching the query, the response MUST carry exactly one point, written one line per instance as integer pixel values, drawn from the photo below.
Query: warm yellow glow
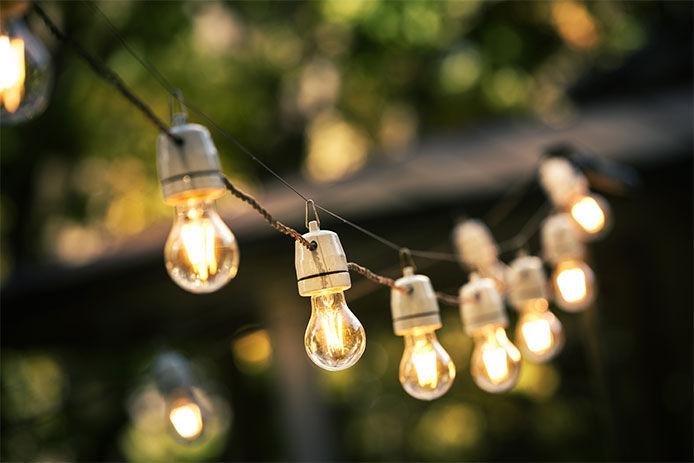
(575, 24)
(572, 284)
(537, 334)
(588, 214)
(494, 359)
(424, 359)
(253, 351)
(198, 241)
(186, 420)
(12, 72)
(331, 323)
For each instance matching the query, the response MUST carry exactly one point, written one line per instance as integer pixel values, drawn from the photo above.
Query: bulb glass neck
(197, 203)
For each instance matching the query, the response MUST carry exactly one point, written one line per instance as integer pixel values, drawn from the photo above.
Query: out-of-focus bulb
(186, 418)
(25, 77)
(426, 369)
(201, 252)
(590, 212)
(539, 333)
(574, 285)
(334, 338)
(12, 72)
(495, 363)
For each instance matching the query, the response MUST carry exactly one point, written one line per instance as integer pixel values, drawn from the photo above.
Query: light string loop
(315, 212)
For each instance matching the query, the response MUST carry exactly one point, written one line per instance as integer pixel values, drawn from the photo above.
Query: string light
(201, 253)
(539, 333)
(174, 381)
(334, 338)
(568, 190)
(426, 370)
(496, 362)
(572, 279)
(478, 250)
(25, 74)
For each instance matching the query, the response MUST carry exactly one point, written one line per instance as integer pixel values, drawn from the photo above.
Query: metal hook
(180, 116)
(315, 212)
(406, 259)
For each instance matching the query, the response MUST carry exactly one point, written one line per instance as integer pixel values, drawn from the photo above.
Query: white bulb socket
(418, 308)
(526, 281)
(478, 250)
(191, 168)
(481, 305)
(561, 239)
(323, 269)
(562, 182)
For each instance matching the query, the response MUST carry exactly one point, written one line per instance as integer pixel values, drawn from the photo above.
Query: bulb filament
(572, 284)
(186, 419)
(588, 214)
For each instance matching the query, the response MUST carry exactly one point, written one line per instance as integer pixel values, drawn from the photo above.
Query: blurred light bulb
(334, 338)
(495, 363)
(591, 213)
(201, 252)
(25, 76)
(573, 283)
(538, 332)
(426, 369)
(186, 418)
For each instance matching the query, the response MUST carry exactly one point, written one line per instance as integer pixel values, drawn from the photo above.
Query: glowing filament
(495, 363)
(331, 321)
(538, 335)
(572, 284)
(187, 420)
(424, 359)
(12, 72)
(198, 239)
(588, 214)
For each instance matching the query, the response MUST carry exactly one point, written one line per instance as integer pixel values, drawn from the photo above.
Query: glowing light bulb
(12, 72)
(334, 338)
(25, 77)
(201, 252)
(186, 418)
(573, 283)
(590, 212)
(495, 363)
(539, 333)
(426, 369)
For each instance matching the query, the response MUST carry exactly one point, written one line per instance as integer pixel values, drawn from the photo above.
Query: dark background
(87, 303)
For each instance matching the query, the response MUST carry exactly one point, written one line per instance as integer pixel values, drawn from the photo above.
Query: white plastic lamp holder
(481, 305)
(526, 281)
(323, 269)
(418, 308)
(561, 239)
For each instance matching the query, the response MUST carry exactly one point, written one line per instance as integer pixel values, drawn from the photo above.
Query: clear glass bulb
(201, 252)
(426, 369)
(573, 283)
(539, 333)
(186, 418)
(495, 362)
(25, 74)
(334, 338)
(591, 213)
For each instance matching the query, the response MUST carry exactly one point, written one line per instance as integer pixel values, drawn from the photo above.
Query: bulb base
(325, 268)
(526, 280)
(189, 169)
(172, 373)
(561, 239)
(475, 244)
(562, 182)
(418, 309)
(481, 305)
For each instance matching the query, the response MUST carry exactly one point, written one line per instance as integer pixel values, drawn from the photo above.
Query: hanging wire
(105, 73)
(110, 76)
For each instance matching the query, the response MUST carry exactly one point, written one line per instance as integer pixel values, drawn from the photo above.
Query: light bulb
(539, 333)
(25, 76)
(574, 285)
(334, 338)
(201, 252)
(495, 363)
(426, 369)
(591, 213)
(186, 418)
